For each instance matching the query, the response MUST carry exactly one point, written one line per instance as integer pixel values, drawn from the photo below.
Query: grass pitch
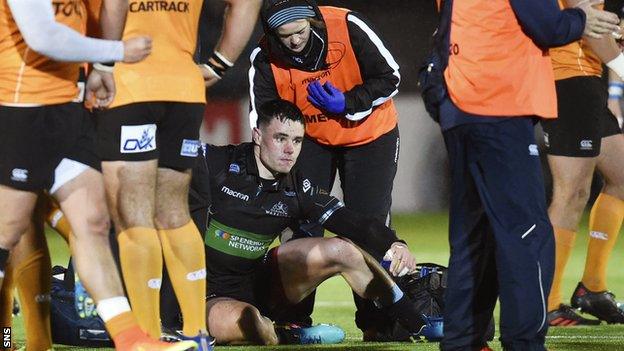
(427, 237)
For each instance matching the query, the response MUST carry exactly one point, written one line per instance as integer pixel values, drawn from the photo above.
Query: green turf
(427, 237)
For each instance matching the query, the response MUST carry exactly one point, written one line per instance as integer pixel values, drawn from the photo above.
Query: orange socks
(141, 263)
(183, 250)
(32, 278)
(605, 221)
(564, 242)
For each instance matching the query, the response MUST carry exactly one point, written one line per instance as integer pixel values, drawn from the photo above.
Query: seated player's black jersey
(245, 213)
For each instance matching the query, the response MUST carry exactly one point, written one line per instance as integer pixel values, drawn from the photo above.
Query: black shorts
(34, 140)
(584, 118)
(262, 289)
(166, 131)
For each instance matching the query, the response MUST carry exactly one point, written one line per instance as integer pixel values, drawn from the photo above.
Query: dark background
(405, 26)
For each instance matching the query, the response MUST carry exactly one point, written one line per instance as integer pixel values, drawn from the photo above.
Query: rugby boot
(601, 305)
(317, 334)
(565, 316)
(134, 339)
(204, 341)
(170, 334)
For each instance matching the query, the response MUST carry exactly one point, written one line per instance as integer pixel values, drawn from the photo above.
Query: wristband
(219, 69)
(617, 65)
(615, 92)
(104, 67)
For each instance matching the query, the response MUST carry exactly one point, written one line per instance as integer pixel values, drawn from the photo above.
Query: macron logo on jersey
(235, 194)
(135, 139)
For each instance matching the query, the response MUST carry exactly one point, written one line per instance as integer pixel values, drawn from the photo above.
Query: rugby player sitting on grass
(242, 197)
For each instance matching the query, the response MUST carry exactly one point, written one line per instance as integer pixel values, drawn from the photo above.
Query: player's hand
(401, 259)
(100, 88)
(210, 78)
(136, 49)
(598, 22)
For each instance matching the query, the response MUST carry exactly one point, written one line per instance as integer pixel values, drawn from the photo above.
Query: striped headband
(290, 14)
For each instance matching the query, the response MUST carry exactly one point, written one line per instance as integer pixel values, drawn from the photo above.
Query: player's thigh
(172, 194)
(231, 321)
(572, 176)
(83, 201)
(611, 161)
(367, 175)
(305, 263)
(32, 140)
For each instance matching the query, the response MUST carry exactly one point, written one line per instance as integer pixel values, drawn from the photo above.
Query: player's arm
(379, 70)
(113, 18)
(238, 25)
(36, 22)
(606, 48)
(549, 26)
(371, 235)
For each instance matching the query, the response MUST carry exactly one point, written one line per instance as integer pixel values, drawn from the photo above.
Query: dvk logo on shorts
(136, 139)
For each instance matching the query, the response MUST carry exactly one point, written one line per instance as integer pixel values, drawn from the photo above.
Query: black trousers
(502, 243)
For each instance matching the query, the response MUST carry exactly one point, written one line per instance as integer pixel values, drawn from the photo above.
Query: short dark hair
(279, 109)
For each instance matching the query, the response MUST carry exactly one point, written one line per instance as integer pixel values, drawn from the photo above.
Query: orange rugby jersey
(575, 59)
(27, 78)
(494, 68)
(344, 74)
(169, 73)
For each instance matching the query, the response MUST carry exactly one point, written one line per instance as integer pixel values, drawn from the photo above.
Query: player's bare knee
(612, 188)
(98, 224)
(341, 253)
(12, 230)
(170, 217)
(573, 195)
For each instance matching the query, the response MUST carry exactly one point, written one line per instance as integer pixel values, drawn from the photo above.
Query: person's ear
(256, 135)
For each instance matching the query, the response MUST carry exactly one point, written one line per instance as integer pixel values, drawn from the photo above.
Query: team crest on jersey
(306, 185)
(279, 210)
(234, 168)
(135, 139)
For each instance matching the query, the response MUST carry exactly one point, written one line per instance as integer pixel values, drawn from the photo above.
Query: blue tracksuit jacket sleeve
(546, 24)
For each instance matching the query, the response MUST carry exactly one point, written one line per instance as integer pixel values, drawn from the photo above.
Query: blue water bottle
(84, 304)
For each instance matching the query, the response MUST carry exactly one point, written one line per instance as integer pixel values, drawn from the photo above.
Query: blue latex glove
(326, 97)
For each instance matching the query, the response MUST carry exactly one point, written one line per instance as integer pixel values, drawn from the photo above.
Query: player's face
(294, 35)
(280, 144)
